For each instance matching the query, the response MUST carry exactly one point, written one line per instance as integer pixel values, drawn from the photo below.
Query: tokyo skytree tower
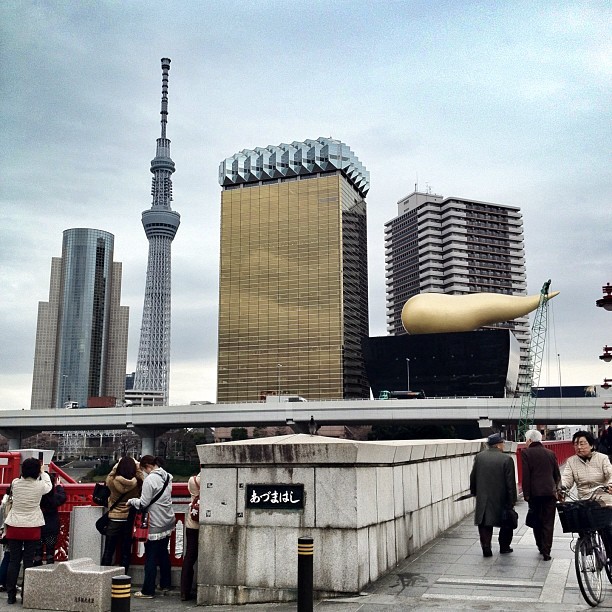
(160, 223)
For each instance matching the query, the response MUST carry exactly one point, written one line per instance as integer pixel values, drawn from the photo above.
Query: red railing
(563, 450)
(79, 494)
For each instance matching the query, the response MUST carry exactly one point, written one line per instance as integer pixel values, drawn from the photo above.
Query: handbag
(194, 509)
(104, 521)
(7, 506)
(531, 520)
(141, 527)
(140, 531)
(101, 494)
(509, 518)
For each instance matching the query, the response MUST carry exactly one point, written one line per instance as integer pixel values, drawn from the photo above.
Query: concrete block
(418, 451)
(363, 559)
(429, 450)
(218, 496)
(373, 552)
(398, 490)
(436, 480)
(391, 560)
(345, 498)
(285, 555)
(402, 537)
(336, 497)
(441, 447)
(375, 452)
(222, 561)
(336, 558)
(403, 451)
(367, 509)
(424, 483)
(260, 557)
(84, 539)
(447, 478)
(80, 585)
(411, 487)
(385, 502)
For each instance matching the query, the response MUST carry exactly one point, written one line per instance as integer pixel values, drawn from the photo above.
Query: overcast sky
(506, 102)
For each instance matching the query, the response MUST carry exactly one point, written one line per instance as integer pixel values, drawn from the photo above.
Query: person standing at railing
(24, 521)
(125, 483)
(49, 532)
(156, 497)
(541, 478)
(192, 531)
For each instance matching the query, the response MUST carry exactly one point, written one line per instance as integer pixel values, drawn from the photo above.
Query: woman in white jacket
(24, 521)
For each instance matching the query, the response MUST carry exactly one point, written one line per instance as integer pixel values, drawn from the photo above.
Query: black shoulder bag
(103, 522)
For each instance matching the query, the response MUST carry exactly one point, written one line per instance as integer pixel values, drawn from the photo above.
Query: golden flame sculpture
(437, 313)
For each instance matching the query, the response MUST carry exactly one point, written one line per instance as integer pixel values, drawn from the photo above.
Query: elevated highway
(149, 422)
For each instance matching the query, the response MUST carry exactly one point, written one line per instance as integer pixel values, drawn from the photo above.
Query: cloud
(505, 102)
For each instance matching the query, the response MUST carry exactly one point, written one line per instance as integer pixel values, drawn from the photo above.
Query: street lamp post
(64, 381)
(559, 364)
(407, 374)
(606, 301)
(278, 385)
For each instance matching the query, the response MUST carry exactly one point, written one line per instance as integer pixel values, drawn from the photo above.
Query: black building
(481, 363)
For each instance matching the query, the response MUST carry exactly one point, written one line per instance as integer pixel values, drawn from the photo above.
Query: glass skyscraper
(81, 337)
(293, 305)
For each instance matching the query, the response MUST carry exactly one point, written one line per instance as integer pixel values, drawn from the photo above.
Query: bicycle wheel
(590, 561)
(605, 537)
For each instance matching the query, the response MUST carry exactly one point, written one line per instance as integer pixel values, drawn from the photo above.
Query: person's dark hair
(31, 468)
(147, 460)
(126, 468)
(160, 462)
(587, 435)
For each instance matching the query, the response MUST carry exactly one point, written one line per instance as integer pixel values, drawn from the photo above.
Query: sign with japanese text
(275, 496)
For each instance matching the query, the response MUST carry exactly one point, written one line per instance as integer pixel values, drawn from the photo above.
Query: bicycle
(588, 518)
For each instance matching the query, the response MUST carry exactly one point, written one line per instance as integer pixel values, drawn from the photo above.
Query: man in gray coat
(493, 483)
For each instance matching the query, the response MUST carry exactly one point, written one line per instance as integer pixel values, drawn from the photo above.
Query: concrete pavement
(449, 573)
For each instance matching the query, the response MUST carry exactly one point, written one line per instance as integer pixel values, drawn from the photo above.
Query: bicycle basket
(598, 517)
(583, 515)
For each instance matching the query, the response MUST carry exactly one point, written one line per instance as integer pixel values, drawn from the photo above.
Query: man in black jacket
(541, 479)
(493, 482)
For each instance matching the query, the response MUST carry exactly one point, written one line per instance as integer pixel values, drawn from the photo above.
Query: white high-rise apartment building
(454, 246)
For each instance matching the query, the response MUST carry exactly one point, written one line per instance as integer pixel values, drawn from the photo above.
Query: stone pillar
(368, 505)
(13, 437)
(147, 438)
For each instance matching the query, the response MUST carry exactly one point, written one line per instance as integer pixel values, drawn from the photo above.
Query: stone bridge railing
(368, 505)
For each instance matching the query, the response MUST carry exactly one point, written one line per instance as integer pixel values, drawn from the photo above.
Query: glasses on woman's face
(581, 443)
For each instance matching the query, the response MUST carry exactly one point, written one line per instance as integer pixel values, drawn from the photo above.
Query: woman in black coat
(49, 532)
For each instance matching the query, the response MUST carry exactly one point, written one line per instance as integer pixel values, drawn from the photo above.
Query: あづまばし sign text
(275, 496)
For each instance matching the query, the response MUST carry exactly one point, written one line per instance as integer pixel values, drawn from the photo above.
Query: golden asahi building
(293, 294)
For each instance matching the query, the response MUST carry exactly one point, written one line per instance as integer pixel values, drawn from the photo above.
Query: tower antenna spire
(164, 100)
(160, 224)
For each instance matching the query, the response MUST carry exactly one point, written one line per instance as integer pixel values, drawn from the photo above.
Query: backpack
(101, 494)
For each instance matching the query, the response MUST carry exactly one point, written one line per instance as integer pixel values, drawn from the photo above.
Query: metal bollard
(305, 558)
(120, 593)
